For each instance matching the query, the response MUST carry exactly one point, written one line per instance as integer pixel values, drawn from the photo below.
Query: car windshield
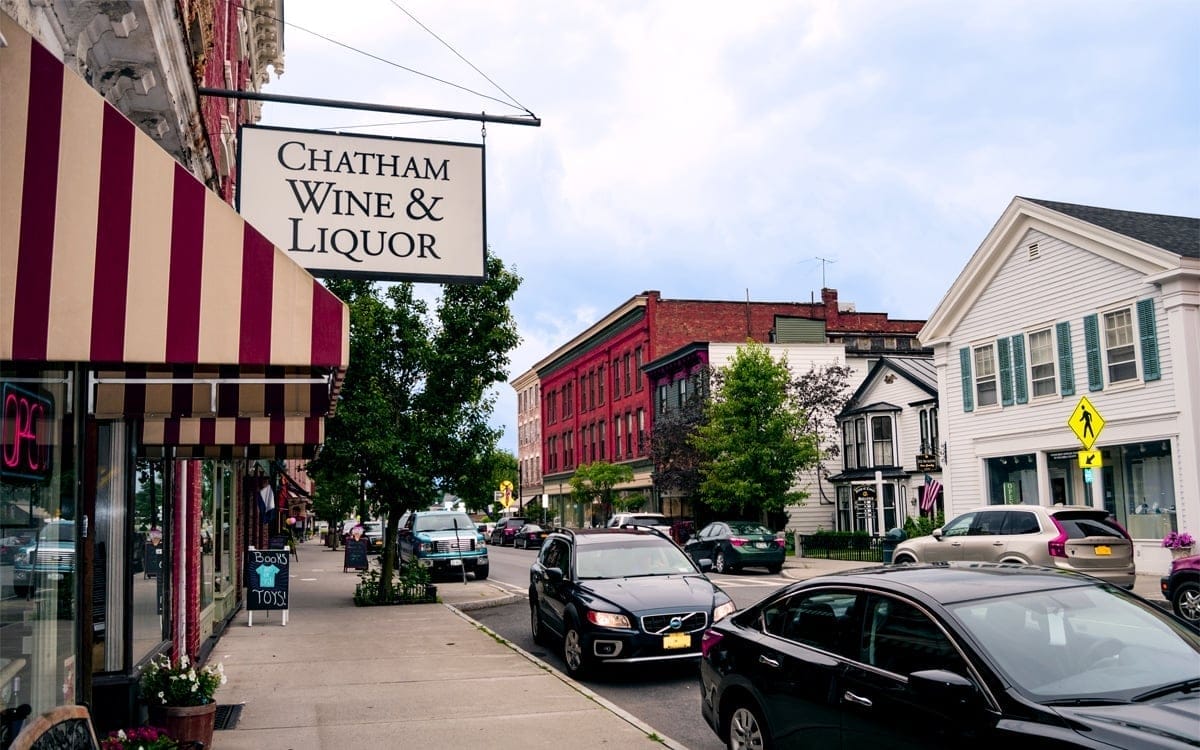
(1085, 643)
(626, 560)
(749, 527)
(57, 532)
(444, 522)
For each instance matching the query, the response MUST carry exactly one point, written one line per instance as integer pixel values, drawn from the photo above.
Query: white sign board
(366, 206)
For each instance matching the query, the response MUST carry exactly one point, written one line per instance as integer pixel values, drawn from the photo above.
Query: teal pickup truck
(444, 541)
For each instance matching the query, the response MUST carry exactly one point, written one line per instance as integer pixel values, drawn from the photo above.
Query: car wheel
(1186, 601)
(536, 629)
(719, 563)
(481, 574)
(577, 662)
(903, 560)
(775, 567)
(747, 730)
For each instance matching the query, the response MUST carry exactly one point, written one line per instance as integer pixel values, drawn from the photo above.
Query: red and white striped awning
(112, 253)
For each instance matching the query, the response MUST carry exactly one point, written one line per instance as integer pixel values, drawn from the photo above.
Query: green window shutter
(1066, 366)
(1091, 342)
(1149, 335)
(1006, 374)
(1019, 381)
(968, 394)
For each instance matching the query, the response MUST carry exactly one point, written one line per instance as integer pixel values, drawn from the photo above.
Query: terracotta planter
(186, 723)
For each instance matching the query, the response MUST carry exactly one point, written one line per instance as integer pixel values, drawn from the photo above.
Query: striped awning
(112, 253)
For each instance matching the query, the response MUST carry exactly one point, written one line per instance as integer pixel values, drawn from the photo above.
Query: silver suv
(1071, 537)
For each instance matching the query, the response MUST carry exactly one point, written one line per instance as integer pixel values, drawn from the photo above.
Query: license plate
(455, 562)
(677, 640)
(760, 545)
(1103, 550)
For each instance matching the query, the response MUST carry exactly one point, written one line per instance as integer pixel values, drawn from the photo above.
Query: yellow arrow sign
(1090, 459)
(1086, 423)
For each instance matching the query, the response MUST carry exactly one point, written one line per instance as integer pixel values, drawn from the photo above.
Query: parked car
(1182, 588)
(49, 557)
(620, 596)
(737, 544)
(373, 532)
(504, 533)
(952, 655)
(13, 540)
(657, 520)
(529, 535)
(445, 541)
(1067, 537)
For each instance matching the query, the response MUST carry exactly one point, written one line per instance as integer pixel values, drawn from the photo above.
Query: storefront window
(113, 561)
(38, 541)
(149, 548)
(1139, 488)
(1012, 480)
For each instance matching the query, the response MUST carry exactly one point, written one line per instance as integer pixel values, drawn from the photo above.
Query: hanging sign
(366, 206)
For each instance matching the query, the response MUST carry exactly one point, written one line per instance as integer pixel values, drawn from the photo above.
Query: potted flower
(179, 696)
(139, 738)
(1180, 543)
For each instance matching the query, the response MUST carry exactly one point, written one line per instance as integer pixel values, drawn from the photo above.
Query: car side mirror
(941, 687)
(705, 564)
(937, 533)
(554, 575)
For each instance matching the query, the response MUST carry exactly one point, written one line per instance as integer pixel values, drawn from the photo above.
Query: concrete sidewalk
(422, 675)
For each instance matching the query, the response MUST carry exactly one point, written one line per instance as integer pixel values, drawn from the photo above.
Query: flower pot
(1178, 552)
(186, 723)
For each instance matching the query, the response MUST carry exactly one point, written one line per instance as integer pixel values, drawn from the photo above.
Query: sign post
(1087, 423)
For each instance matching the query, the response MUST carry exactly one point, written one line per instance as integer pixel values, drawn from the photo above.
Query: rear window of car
(749, 528)
(1078, 527)
(649, 520)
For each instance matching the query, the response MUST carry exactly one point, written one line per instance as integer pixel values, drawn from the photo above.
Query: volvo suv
(1071, 537)
(620, 596)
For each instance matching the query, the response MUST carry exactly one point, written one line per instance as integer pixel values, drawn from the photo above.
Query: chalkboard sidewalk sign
(267, 573)
(356, 555)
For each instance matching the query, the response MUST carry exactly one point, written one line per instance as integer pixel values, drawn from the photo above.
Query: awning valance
(267, 437)
(111, 253)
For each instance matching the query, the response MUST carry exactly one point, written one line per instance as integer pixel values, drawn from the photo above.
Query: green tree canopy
(595, 482)
(412, 419)
(753, 440)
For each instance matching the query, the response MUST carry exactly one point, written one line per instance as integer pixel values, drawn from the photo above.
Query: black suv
(621, 595)
(505, 531)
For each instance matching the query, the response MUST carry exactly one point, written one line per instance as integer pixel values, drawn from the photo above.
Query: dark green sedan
(737, 544)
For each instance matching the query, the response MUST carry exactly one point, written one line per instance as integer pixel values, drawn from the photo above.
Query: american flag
(932, 488)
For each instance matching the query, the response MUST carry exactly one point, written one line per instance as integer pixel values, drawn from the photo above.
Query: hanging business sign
(366, 206)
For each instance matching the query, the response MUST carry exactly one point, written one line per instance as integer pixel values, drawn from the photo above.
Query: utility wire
(385, 61)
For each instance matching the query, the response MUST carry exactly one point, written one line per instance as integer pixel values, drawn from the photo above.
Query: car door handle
(997, 544)
(768, 661)
(850, 697)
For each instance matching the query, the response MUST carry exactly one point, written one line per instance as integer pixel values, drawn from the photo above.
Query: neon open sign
(25, 433)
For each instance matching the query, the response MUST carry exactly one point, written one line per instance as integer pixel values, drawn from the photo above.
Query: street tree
(415, 405)
(676, 461)
(754, 439)
(821, 394)
(482, 476)
(594, 482)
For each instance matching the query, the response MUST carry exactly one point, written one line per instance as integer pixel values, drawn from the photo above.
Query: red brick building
(596, 403)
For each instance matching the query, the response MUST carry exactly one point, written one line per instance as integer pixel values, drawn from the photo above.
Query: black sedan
(529, 536)
(620, 596)
(732, 545)
(952, 655)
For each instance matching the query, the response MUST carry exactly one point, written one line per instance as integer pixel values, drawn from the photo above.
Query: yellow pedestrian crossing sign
(506, 491)
(1086, 423)
(1090, 459)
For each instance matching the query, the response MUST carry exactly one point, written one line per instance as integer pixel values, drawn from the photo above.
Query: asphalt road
(667, 697)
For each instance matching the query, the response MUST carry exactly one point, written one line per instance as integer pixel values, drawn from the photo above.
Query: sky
(720, 151)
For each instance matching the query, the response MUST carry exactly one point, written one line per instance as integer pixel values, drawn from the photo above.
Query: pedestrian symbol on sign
(1086, 423)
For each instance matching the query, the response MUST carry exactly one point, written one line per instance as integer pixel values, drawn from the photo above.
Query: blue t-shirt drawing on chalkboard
(266, 575)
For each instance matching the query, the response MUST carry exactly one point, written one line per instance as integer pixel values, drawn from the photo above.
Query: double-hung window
(1119, 347)
(985, 375)
(1041, 362)
(882, 451)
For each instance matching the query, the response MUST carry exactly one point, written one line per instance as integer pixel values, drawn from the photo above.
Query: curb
(651, 733)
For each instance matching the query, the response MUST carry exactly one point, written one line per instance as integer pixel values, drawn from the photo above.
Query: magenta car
(1182, 588)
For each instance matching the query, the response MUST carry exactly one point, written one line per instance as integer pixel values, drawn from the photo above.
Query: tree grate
(228, 715)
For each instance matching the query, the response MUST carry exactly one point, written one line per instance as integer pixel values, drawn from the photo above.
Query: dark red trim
(326, 328)
(241, 432)
(31, 314)
(187, 261)
(111, 281)
(170, 432)
(277, 431)
(208, 431)
(258, 276)
(312, 430)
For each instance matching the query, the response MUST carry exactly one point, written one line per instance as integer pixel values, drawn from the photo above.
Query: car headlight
(425, 547)
(724, 610)
(608, 619)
